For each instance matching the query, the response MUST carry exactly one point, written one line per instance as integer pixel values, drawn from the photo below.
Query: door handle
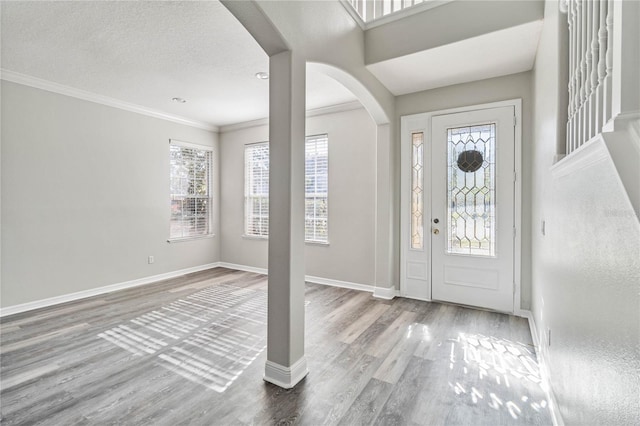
(436, 231)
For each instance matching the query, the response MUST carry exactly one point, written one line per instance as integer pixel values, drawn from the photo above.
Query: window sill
(185, 239)
(254, 237)
(259, 238)
(317, 243)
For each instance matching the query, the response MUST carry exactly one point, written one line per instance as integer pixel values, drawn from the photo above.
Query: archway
(384, 274)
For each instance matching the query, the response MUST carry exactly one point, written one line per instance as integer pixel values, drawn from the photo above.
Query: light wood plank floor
(190, 350)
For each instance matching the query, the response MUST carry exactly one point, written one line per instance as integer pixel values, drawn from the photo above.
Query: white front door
(458, 213)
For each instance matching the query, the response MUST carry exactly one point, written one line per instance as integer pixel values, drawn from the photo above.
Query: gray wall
(350, 253)
(85, 196)
(515, 86)
(586, 266)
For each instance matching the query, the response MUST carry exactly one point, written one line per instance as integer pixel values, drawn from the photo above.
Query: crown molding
(61, 89)
(333, 109)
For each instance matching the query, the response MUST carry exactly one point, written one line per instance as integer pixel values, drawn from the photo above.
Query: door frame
(405, 190)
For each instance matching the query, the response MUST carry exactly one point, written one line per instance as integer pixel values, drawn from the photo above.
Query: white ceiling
(146, 53)
(494, 54)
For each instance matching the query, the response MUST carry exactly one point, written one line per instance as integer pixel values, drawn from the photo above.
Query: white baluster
(386, 7)
(577, 70)
(608, 65)
(588, 60)
(579, 62)
(602, 51)
(360, 7)
(595, 6)
(573, 78)
(377, 9)
(571, 84)
(368, 10)
(584, 74)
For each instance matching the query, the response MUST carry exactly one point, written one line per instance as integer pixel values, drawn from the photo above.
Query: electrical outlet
(151, 260)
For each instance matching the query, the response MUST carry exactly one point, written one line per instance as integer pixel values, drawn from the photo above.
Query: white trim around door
(415, 271)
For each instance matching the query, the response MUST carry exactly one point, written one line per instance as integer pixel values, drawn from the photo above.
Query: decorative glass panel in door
(471, 190)
(417, 190)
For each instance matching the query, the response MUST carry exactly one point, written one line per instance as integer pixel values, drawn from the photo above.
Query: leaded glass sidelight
(471, 190)
(417, 190)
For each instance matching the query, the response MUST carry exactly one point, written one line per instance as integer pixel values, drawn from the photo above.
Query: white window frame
(208, 196)
(312, 230)
(250, 197)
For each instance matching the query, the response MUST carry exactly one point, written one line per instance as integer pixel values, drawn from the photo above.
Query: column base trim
(387, 293)
(285, 377)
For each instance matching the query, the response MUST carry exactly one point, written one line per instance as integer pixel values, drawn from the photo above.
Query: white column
(384, 276)
(286, 364)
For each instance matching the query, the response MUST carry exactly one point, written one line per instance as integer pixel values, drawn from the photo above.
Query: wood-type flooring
(191, 350)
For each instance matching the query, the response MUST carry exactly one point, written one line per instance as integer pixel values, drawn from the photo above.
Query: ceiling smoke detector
(262, 75)
(179, 100)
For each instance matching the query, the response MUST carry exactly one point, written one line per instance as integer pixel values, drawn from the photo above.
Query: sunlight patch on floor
(489, 366)
(209, 337)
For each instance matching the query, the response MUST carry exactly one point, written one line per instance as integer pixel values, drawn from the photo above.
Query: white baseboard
(338, 283)
(285, 377)
(307, 278)
(387, 293)
(243, 268)
(43, 303)
(37, 304)
(542, 351)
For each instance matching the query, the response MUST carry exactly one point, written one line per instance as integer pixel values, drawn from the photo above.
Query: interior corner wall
(515, 86)
(350, 255)
(586, 263)
(85, 196)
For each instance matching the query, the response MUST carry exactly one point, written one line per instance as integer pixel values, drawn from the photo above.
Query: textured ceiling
(146, 53)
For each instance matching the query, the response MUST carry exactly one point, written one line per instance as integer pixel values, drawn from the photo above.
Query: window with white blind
(256, 189)
(316, 217)
(256, 207)
(190, 190)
